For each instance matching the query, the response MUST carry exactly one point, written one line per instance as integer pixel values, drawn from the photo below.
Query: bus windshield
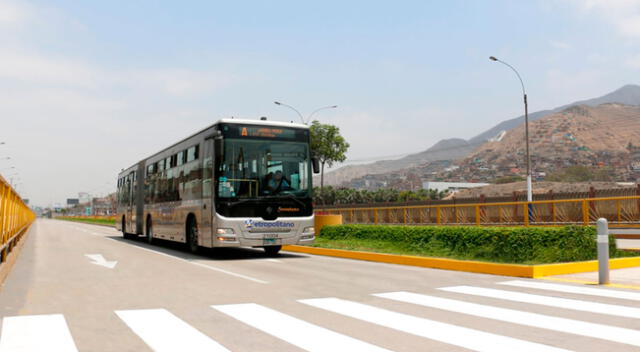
(255, 168)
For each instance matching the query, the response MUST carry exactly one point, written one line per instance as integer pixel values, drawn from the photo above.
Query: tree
(327, 145)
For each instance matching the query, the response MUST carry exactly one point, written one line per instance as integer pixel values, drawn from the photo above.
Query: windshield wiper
(290, 196)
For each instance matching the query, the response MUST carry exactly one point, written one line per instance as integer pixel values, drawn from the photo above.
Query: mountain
(628, 95)
(457, 148)
(446, 149)
(605, 137)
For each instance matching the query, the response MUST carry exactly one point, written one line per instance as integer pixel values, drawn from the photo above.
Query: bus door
(207, 193)
(130, 207)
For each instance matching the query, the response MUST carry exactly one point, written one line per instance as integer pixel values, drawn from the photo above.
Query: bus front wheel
(272, 251)
(192, 236)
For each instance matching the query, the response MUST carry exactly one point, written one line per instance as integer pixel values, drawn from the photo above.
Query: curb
(517, 270)
(5, 268)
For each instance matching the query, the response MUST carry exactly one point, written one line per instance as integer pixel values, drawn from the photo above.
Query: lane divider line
(181, 259)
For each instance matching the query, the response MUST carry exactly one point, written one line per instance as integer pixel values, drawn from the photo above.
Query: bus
(236, 183)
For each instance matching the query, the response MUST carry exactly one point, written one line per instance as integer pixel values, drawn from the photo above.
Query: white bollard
(603, 251)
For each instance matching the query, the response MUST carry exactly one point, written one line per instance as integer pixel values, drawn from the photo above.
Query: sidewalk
(622, 277)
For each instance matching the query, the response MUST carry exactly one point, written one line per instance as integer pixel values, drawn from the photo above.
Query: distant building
(451, 186)
(71, 202)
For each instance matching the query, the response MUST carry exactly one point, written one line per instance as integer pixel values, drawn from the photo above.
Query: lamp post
(526, 129)
(310, 115)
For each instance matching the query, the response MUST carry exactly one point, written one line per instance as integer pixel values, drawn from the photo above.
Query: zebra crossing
(161, 330)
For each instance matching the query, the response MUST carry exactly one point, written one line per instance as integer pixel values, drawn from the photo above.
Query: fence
(619, 211)
(15, 217)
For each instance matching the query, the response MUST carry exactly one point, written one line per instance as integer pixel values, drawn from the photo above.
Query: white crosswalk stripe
(473, 339)
(601, 292)
(163, 331)
(585, 306)
(295, 331)
(600, 331)
(36, 333)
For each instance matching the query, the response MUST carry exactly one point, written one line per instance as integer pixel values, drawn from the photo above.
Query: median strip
(517, 270)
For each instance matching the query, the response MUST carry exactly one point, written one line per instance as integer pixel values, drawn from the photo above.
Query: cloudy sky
(90, 87)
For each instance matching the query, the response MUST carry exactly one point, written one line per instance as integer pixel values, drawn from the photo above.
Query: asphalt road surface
(78, 287)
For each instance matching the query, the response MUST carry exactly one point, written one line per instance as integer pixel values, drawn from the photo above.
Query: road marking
(294, 331)
(163, 331)
(574, 304)
(601, 292)
(455, 335)
(98, 259)
(36, 333)
(604, 332)
(192, 262)
(274, 260)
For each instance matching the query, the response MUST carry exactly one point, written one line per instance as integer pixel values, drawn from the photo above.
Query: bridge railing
(15, 217)
(619, 211)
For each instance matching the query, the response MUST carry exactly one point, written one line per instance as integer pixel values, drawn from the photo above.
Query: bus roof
(228, 120)
(264, 123)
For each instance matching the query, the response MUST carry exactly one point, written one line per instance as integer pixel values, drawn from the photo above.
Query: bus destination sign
(266, 132)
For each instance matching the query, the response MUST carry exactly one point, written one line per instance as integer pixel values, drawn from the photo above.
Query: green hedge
(525, 245)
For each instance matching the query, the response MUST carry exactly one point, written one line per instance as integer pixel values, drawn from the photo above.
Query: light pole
(310, 115)
(526, 128)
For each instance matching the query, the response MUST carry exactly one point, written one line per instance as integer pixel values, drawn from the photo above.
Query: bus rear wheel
(149, 231)
(124, 230)
(272, 251)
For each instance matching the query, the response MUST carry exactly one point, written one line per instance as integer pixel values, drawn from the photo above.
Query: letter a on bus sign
(244, 132)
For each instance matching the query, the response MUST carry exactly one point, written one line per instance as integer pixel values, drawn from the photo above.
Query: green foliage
(327, 145)
(331, 196)
(580, 174)
(508, 179)
(525, 245)
(97, 221)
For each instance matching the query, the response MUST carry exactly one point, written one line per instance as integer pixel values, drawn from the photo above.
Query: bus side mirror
(316, 165)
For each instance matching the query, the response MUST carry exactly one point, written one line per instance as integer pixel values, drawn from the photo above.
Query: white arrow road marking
(98, 259)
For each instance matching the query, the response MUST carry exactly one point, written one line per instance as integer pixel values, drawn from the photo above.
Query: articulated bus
(235, 183)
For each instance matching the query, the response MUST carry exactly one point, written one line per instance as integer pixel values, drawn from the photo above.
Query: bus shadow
(222, 254)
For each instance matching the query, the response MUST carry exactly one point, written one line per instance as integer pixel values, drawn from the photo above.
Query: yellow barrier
(619, 211)
(15, 217)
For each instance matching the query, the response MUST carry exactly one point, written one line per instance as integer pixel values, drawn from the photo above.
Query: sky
(90, 87)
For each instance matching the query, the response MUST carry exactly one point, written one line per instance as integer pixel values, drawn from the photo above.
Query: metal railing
(15, 217)
(619, 211)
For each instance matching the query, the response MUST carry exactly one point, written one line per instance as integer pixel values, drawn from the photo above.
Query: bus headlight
(309, 231)
(222, 231)
(226, 235)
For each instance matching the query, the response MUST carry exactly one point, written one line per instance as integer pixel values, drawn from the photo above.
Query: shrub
(498, 244)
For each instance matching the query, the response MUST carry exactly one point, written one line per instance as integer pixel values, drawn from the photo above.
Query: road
(65, 293)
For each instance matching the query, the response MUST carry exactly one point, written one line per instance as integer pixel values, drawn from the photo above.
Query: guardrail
(619, 211)
(15, 217)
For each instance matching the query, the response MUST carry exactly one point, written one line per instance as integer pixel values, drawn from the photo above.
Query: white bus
(235, 183)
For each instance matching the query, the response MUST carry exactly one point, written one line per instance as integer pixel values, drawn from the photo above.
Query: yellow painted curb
(582, 267)
(426, 262)
(517, 270)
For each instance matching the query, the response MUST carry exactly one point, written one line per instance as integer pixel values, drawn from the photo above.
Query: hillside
(457, 148)
(605, 136)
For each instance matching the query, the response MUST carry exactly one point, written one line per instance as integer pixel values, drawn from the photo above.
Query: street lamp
(310, 115)
(526, 128)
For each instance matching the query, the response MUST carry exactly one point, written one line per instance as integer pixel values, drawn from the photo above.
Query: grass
(95, 221)
(527, 246)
